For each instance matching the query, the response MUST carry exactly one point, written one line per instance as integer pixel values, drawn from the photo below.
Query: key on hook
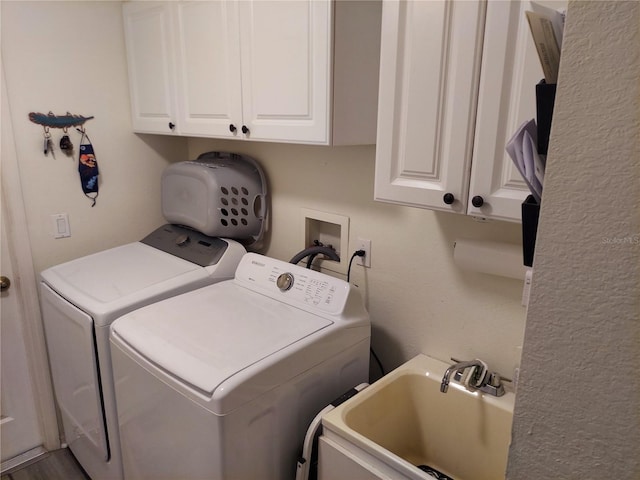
(48, 144)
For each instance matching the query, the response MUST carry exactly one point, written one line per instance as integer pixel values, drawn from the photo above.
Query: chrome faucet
(458, 367)
(482, 379)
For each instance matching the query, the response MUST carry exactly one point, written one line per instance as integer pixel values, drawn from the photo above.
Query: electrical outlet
(365, 245)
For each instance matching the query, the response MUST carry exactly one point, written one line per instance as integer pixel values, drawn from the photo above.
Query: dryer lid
(206, 336)
(108, 277)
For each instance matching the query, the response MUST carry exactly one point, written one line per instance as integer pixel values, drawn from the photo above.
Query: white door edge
(20, 250)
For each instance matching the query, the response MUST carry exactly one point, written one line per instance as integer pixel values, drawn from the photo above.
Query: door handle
(5, 283)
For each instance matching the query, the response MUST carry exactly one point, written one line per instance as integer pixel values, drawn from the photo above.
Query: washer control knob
(182, 239)
(284, 281)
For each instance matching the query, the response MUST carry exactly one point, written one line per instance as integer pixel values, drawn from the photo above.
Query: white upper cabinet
(429, 68)
(457, 80)
(286, 77)
(148, 34)
(207, 52)
(507, 98)
(301, 71)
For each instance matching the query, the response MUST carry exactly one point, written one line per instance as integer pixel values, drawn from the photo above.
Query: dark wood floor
(56, 465)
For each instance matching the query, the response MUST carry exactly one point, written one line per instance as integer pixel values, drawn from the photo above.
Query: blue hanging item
(88, 167)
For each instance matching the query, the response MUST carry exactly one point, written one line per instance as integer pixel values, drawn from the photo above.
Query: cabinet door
(148, 34)
(510, 72)
(286, 68)
(429, 69)
(207, 47)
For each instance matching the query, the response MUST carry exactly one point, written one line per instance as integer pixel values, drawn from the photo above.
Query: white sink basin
(403, 421)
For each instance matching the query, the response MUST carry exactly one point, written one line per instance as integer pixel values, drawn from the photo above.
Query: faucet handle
(493, 385)
(494, 379)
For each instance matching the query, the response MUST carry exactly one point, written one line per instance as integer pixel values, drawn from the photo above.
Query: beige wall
(70, 56)
(578, 401)
(419, 301)
(578, 404)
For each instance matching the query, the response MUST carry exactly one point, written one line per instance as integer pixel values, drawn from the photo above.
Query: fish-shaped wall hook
(57, 121)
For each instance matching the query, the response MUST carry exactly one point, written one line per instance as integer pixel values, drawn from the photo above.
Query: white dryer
(222, 382)
(81, 298)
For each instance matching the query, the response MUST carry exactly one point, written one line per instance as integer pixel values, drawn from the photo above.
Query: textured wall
(578, 403)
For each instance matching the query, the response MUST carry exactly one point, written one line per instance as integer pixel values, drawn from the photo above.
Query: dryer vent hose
(312, 252)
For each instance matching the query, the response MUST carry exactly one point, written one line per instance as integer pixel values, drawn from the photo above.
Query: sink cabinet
(457, 79)
(300, 72)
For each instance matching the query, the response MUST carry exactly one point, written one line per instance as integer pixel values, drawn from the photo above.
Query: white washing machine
(221, 383)
(81, 298)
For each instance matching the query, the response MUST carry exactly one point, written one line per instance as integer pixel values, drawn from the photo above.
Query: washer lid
(206, 336)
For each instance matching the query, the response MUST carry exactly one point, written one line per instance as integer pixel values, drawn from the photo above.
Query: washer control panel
(187, 244)
(293, 284)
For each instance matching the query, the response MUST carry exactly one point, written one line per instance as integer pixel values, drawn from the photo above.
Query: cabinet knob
(477, 201)
(245, 129)
(448, 198)
(232, 127)
(171, 126)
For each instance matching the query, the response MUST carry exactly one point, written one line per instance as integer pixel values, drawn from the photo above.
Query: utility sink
(403, 421)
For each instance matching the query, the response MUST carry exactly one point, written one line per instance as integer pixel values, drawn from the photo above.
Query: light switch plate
(61, 228)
